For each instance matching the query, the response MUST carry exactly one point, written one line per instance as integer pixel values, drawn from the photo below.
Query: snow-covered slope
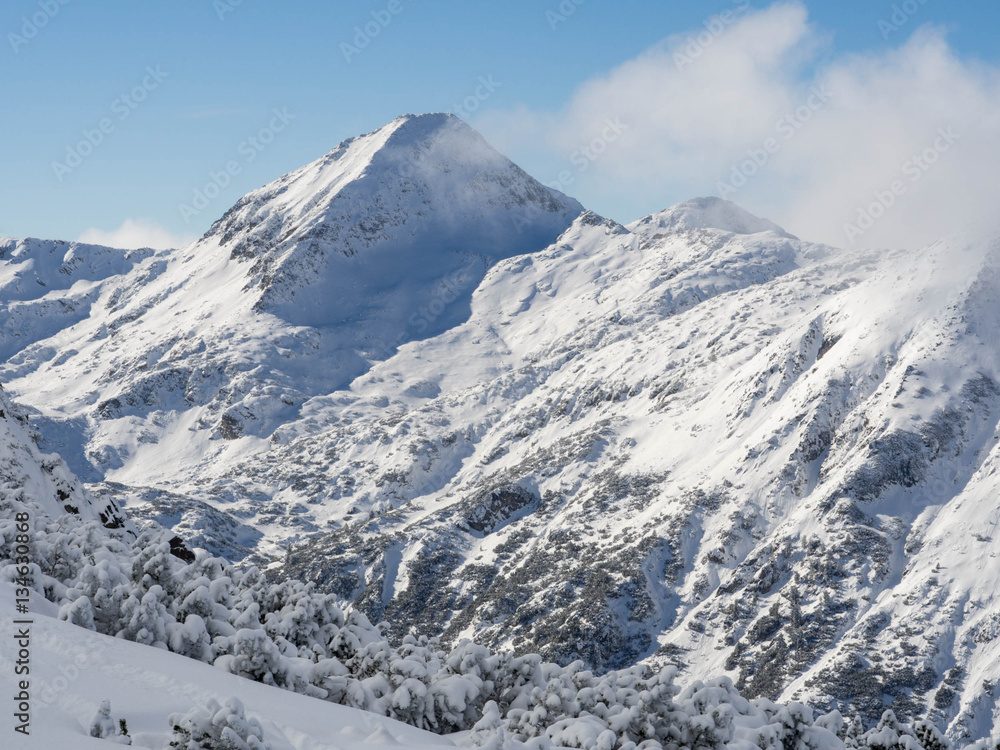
(25, 471)
(73, 670)
(722, 449)
(694, 439)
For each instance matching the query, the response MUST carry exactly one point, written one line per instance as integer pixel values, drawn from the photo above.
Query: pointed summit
(384, 216)
(706, 213)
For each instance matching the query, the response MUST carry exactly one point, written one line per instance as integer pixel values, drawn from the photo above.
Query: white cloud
(134, 233)
(702, 103)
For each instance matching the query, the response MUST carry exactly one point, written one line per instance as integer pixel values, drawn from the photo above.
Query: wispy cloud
(134, 233)
(700, 105)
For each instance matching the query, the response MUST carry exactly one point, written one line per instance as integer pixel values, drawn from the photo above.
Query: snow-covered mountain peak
(415, 129)
(590, 219)
(387, 212)
(705, 213)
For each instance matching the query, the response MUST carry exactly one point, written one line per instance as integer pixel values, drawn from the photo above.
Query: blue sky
(221, 69)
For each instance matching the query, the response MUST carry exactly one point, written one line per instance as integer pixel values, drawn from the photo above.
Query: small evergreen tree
(490, 733)
(79, 612)
(217, 727)
(102, 726)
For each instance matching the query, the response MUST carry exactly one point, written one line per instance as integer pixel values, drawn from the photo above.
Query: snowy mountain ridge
(695, 439)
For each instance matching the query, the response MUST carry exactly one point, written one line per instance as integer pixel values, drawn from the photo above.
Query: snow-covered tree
(144, 620)
(153, 565)
(217, 727)
(79, 612)
(104, 727)
(490, 732)
(890, 734)
(929, 737)
(190, 638)
(253, 654)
